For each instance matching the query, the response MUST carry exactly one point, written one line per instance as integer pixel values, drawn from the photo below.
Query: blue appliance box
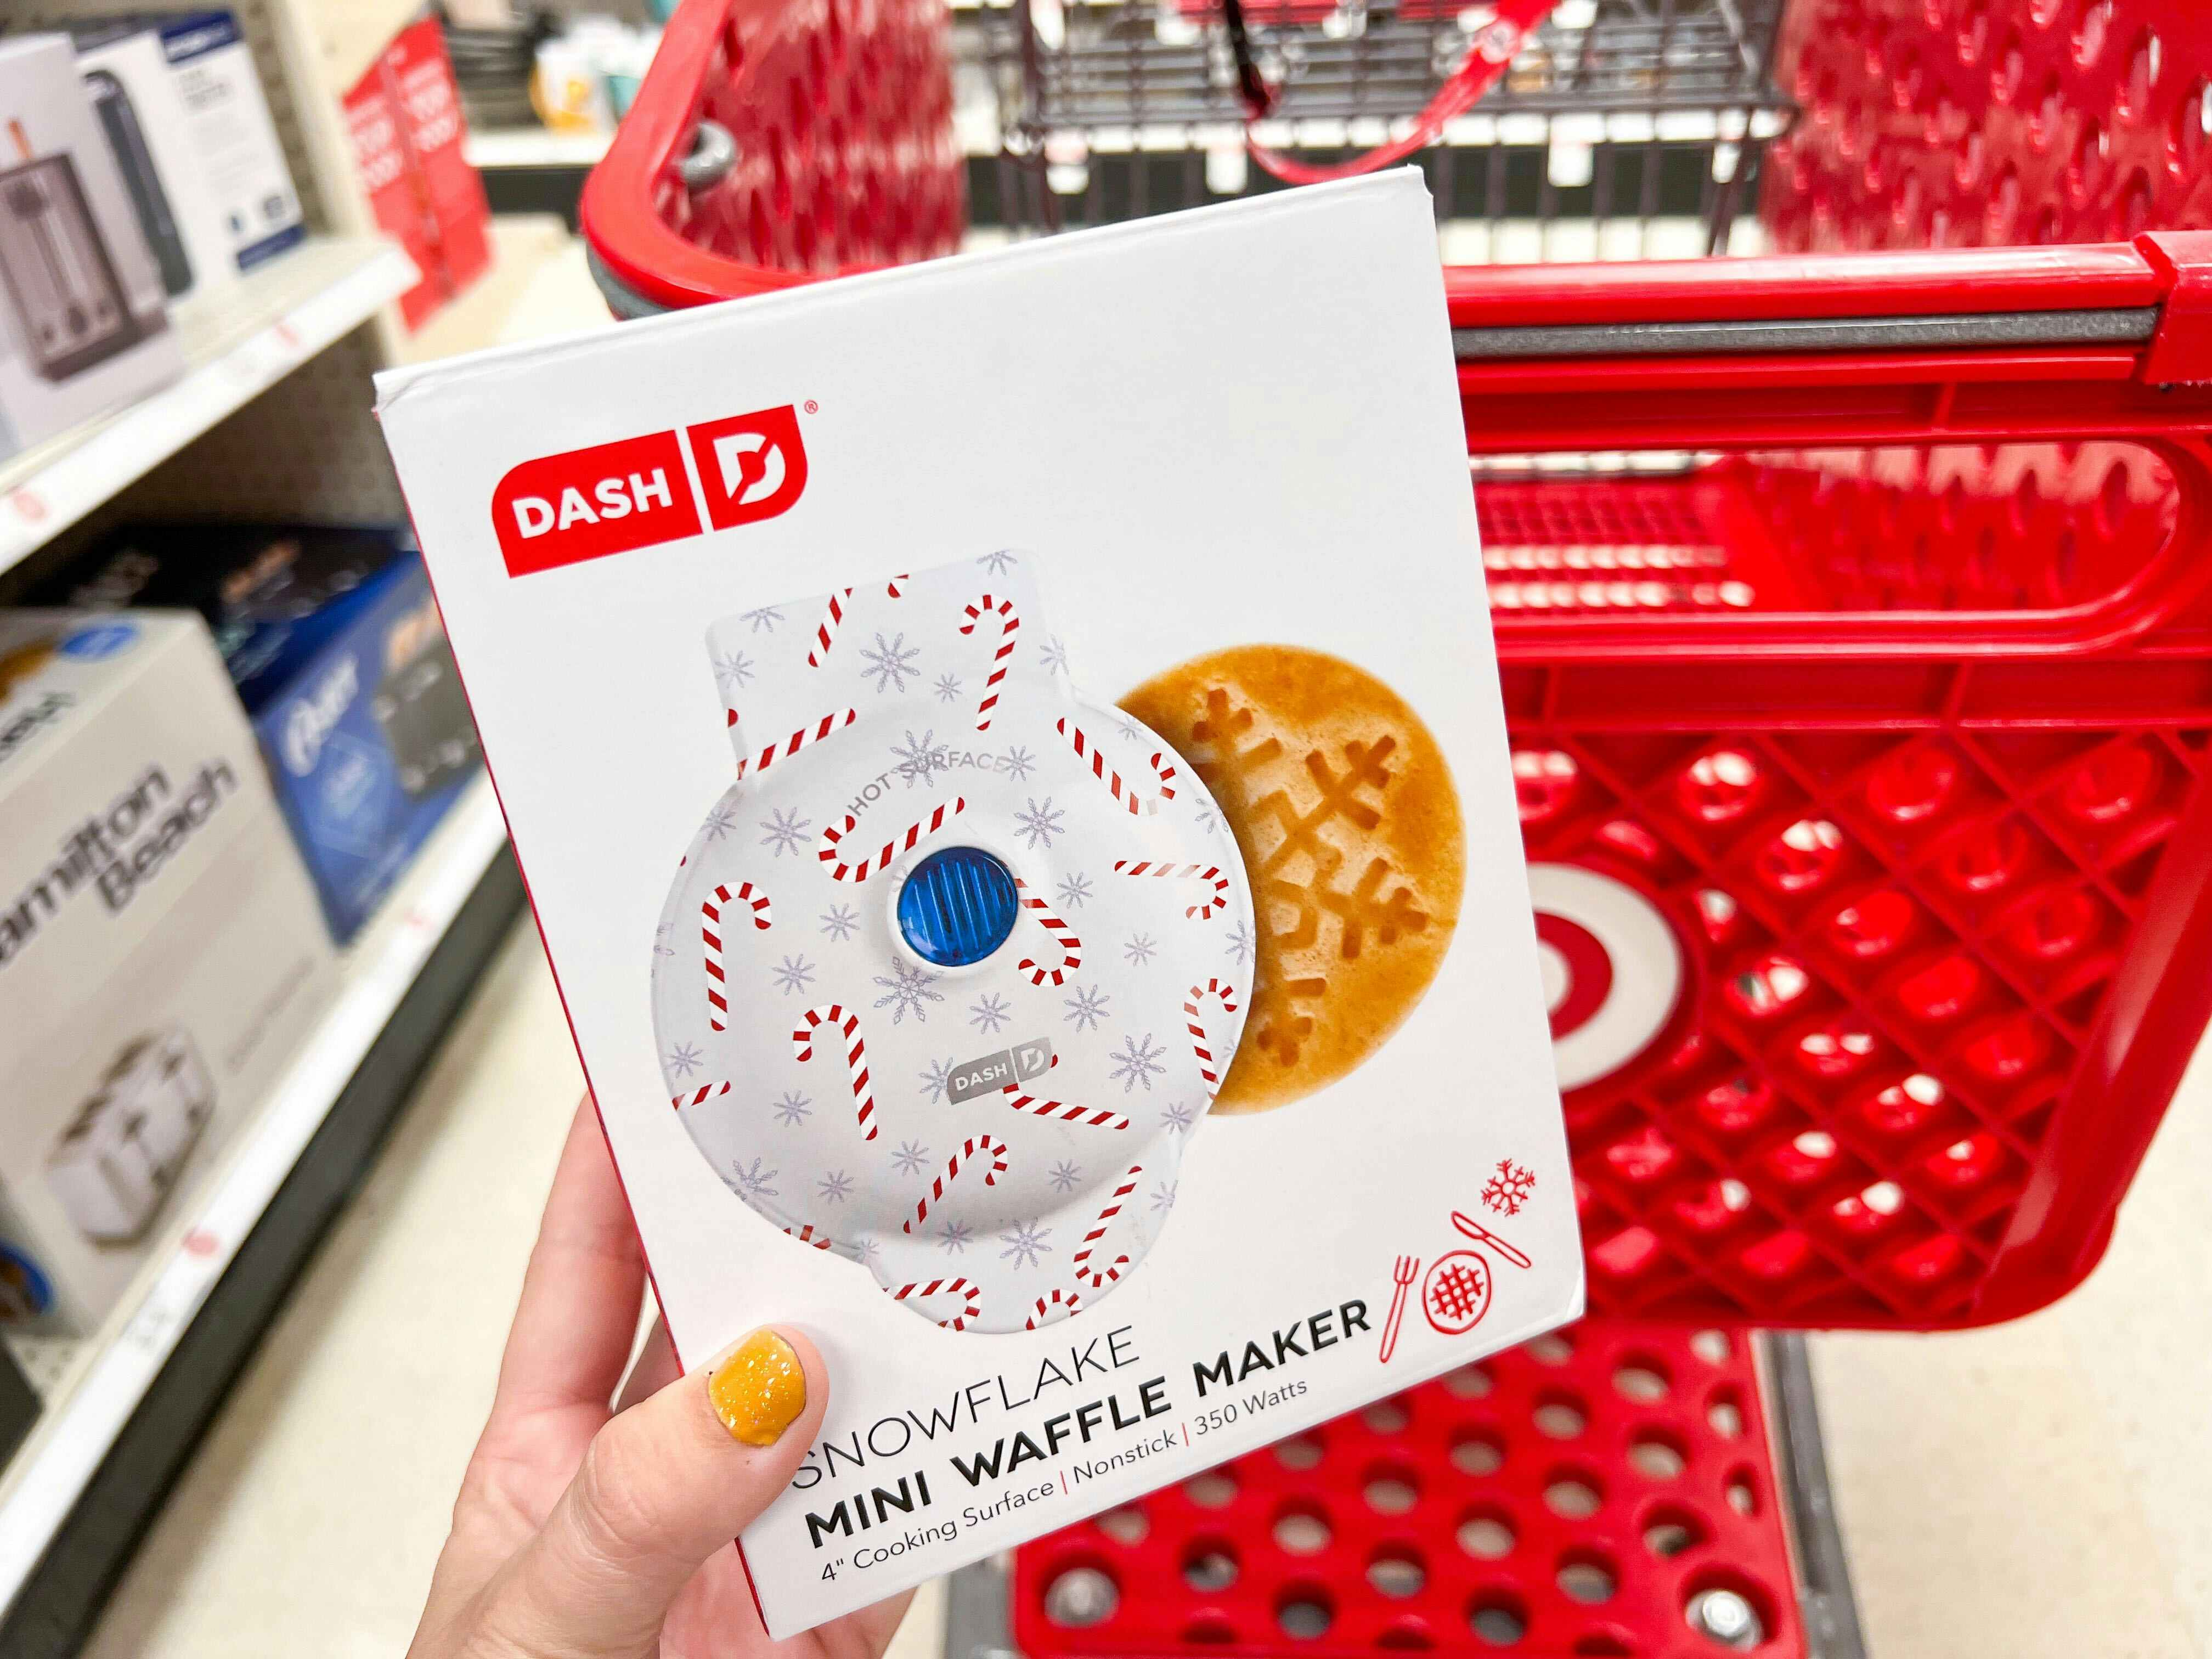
(369, 739)
(334, 643)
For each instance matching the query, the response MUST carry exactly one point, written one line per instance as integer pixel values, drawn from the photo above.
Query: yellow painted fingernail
(759, 1389)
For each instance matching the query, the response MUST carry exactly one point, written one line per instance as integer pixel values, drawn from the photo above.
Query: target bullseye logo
(1614, 969)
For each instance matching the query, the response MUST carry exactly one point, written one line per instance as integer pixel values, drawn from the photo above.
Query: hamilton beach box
(1008, 761)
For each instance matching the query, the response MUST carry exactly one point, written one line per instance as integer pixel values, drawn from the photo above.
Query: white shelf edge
(293, 307)
(493, 147)
(41, 1484)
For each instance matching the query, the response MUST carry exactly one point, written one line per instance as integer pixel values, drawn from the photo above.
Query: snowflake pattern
(921, 758)
(1163, 1196)
(890, 662)
(937, 1079)
(793, 974)
(660, 946)
(1085, 1008)
(1141, 949)
(719, 822)
(1507, 1190)
(764, 619)
(1240, 942)
(752, 1180)
(733, 670)
(1065, 1177)
(1074, 891)
(1025, 1244)
(786, 832)
(1177, 1119)
(955, 1237)
(1054, 656)
(681, 1061)
(948, 688)
(911, 1159)
(906, 989)
(838, 922)
(1018, 763)
(1137, 1060)
(989, 1014)
(836, 1187)
(1039, 825)
(793, 1109)
(997, 563)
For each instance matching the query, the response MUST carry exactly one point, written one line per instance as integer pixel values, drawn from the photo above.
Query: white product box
(83, 320)
(160, 952)
(813, 884)
(140, 102)
(235, 145)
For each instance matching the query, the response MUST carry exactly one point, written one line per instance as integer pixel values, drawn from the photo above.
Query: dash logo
(751, 467)
(638, 492)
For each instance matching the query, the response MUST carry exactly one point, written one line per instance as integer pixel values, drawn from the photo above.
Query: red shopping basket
(1852, 619)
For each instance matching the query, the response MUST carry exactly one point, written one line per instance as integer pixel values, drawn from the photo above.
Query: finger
(655, 1367)
(580, 1296)
(663, 1486)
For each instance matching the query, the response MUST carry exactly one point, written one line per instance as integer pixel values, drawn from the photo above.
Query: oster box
(1022, 821)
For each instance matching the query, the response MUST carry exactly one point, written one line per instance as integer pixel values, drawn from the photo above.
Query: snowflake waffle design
(1086, 1007)
(989, 1014)
(763, 620)
(1508, 1189)
(890, 662)
(786, 832)
(1137, 1060)
(793, 974)
(919, 759)
(1025, 1244)
(793, 1109)
(906, 989)
(753, 1181)
(937, 1079)
(1066, 1176)
(836, 1187)
(838, 922)
(997, 563)
(683, 1060)
(1039, 825)
(955, 1237)
(911, 1159)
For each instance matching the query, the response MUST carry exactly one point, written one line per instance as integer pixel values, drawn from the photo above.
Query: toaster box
(83, 304)
(336, 651)
(160, 958)
(1021, 817)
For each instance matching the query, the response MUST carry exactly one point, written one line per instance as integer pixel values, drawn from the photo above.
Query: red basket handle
(1491, 52)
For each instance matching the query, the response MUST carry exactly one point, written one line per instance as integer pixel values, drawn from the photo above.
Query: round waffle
(1344, 809)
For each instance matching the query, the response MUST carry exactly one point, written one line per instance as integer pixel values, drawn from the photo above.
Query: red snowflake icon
(1504, 1193)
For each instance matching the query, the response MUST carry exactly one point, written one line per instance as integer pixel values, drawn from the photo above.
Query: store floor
(2041, 1489)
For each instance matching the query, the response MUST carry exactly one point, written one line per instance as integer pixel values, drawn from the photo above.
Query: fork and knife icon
(1407, 1269)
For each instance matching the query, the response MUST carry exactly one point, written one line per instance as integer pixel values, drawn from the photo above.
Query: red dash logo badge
(587, 503)
(618, 497)
(751, 466)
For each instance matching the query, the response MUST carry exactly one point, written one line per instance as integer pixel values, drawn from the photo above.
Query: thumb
(662, 1487)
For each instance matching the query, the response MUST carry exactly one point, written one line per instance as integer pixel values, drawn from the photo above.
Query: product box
(1008, 759)
(160, 958)
(235, 147)
(148, 127)
(83, 322)
(335, 649)
(409, 147)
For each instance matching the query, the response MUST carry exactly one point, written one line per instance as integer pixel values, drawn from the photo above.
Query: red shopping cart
(1853, 620)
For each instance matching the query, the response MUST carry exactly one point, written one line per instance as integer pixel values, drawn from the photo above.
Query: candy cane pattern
(1213, 987)
(1071, 948)
(1061, 1110)
(856, 1058)
(1065, 1300)
(1081, 1259)
(705, 1091)
(807, 1236)
(861, 869)
(797, 741)
(965, 1156)
(1011, 623)
(1209, 873)
(1124, 794)
(923, 1289)
(710, 934)
(827, 629)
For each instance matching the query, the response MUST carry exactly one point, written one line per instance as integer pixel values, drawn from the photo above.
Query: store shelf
(280, 317)
(522, 246)
(94, 1389)
(535, 147)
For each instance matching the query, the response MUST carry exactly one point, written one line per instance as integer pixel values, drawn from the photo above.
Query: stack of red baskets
(1853, 618)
